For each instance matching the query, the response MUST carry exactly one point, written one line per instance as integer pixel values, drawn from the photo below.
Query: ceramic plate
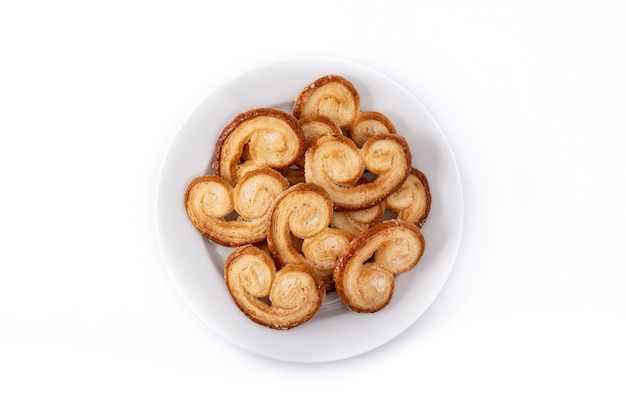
(196, 265)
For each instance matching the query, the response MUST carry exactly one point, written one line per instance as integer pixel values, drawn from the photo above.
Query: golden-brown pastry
(280, 299)
(336, 164)
(268, 136)
(322, 250)
(298, 223)
(312, 127)
(303, 210)
(332, 96)
(364, 274)
(355, 222)
(368, 124)
(333, 159)
(210, 201)
(317, 125)
(412, 200)
(248, 165)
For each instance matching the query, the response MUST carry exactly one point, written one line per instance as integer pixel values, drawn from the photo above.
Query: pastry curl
(332, 96)
(336, 164)
(280, 299)
(317, 125)
(312, 127)
(412, 200)
(297, 222)
(302, 211)
(268, 136)
(364, 274)
(210, 201)
(322, 251)
(357, 221)
(249, 165)
(368, 124)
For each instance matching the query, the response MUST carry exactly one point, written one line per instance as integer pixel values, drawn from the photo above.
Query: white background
(531, 96)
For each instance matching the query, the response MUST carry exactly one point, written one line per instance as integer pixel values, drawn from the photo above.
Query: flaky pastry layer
(336, 164)
(279, 299)
(368, 124)
(412, 200)
(365, 274)
(357, 221)
(233, 216)
(332, 96)
(268, 136)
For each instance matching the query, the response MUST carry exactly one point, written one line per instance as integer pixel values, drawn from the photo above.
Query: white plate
(334, 332)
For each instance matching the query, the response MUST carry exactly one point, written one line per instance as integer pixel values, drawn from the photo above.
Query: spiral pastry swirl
(317, 125)
(312, 127)
(302, 211)
(368, 124)
(322, 250)
(364, 274)
(336, 164)
(298, 230)
(332, 96)
(412, 200)
(211, 201)
(279, 299)
(268, 136)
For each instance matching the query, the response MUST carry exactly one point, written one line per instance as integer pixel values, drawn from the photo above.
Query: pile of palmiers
(323, 199)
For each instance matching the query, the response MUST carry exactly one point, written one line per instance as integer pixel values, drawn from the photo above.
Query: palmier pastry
(355, 222)
(317, 125)
(312, 127)
(412, 200)
(280, 299)
(270, 137)
(210, 201)
(368, 124)
(332, 96)
(364, 274)
(322, 250)
(247, 166)
(336, 164)
(303, 210)
(297, 222)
